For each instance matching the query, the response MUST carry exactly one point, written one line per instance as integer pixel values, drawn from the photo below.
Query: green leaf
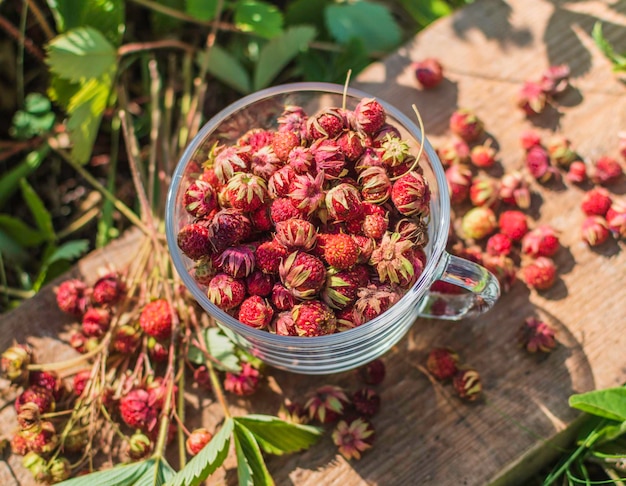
(9, 182)
(425, 12)
(118, 476)
(276, 436)
(81, 53)
(70, 250)
(37, 104)
(251, 467)
(156, 475)
(218, 346)
(11, 251)
(25, 125)
(61, 90)
(370, 22)
(609, 403)
(105, 15)
(20, 232)
(227, 68)
(207, 460)
(42, 216)
(201, 9)
(279, 51)
(67, 13)
(262, 18)
(306, 12)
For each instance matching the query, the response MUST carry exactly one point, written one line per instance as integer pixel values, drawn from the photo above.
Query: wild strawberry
(244, 383)
(72, 297)
(503, 268)
(514, 224)
(531, 98)
(465, 124)
(555, 79)
(340, 251)
(373, 373)
(366, 402)
(616, 218)
(366, 244)
(14, 362)
(283, 142)
(139, 446)
(352, 144)
(529, 139)
(237, 261)
(327, 123)
(560, 151)
(353, 437)
(392, 261)
(478, 223)
(296, 234)
(138, 411)
(329, 159)
(226, 292)
(302, 274)
(228, 227)
(499, 244)
(374, 226)
(227, 161)
(79, 382)
(60, 469)
(428, 72)
(371, 157)
(269, 256)
(156, 319)
(442, 363)
(394, 152)
(344, 202)
(205, 269)
(194, 240)
(542, 241)
(535, 335)
(577, 172)
(459, 178)
(596, 202)
(595, 230)
(375, 185)
(256, 139)
(197, 440)
(514, 190)
(301, 160)
(96, 321)
(157, 351)
(539, 274)
(246, 192)
(125, 339)
(259, 283)
(414, 230)
(340, 290)
(19, 445)
(483, 156)
(260, 219)
(281, 298)
(283, 209)
(313, 318)
(411, 195)
(29, 418)
(37, 466)
(326, 404)
(345, 319)
(538, 164)
(369, 116)
(265, 163)
(44, 440)
(48, 380)
(293, 412)
(42, 397)
(484, 191)
(307, 192)
(108, 289)
(373, 301)
(283, 325)
(455, 151)
(200, 199)
(468, 385)
(255, 312)
(293, 119)
(280, 182)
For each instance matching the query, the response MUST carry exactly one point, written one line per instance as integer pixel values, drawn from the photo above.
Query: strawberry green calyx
(340, 290)
(229, 160)
(375, 185)
(343, 202)
(307, 192)
(411, 195)
(302, 274)
(395, 151)
(296, 234)
(246, 191)
(391, 260)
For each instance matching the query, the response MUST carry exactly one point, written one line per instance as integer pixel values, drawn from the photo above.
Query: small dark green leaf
(259, 17)
(306, 12)
(67, 13)
(201, 9)
(107, 16)
(20, 232)
(81, 53)
(370, 22)
(37, 104)
(69, 251)
(609, 403)
(427, 11)
(279, 51)
(227, 69)
(276, 436)
(207, 460)
(11, 251)
(42, 216)
(117, 476)
(251, 467)
(619, 61)
(10, 181)
(26, 125)
(156, 474)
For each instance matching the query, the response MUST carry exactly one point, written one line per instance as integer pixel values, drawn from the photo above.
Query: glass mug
(354, 347)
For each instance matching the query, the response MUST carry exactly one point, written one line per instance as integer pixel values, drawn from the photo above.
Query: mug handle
(483, 287)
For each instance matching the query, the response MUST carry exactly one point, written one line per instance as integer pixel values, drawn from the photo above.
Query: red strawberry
(255, 312)
(302, 274)
(369, 116)
(341, 251)
(313, 318)
(428, 72)
(269, 256)
(156, 319)
(343, 202)
(194, 240)
(226, 292)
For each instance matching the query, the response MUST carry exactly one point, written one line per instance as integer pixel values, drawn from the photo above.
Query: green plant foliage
(107, 16)
(262, 18)
(207, 460)
(126, 475)
(11, 250)
(306, 12)
(42, 217)
(201, 9)
(333, 67)
(251, 468)
(275, 436)
(278, 52)
(20, 232)
(219, 347)
(34, 120)
(227, 69)
(427, 11)
(372, 23)
(618, 60)
(10, 181)
(609, 403)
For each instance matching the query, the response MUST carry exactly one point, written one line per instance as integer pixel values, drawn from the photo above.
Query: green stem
(20, 56)
(119, 205)
(181, 411)
(106, 222)
(217, 388)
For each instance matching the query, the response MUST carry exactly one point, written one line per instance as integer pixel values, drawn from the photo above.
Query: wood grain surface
(425, 435)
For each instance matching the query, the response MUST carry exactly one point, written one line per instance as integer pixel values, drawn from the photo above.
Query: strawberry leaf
(9, 182)
(118, 476)
(609, 403)
(207, 460)
(23, 234)
(201, 9)
(227, 68)
(262, 18)
(275, 436)
(156, 475)
(43, 218)
(218, 346)
(251, 467)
